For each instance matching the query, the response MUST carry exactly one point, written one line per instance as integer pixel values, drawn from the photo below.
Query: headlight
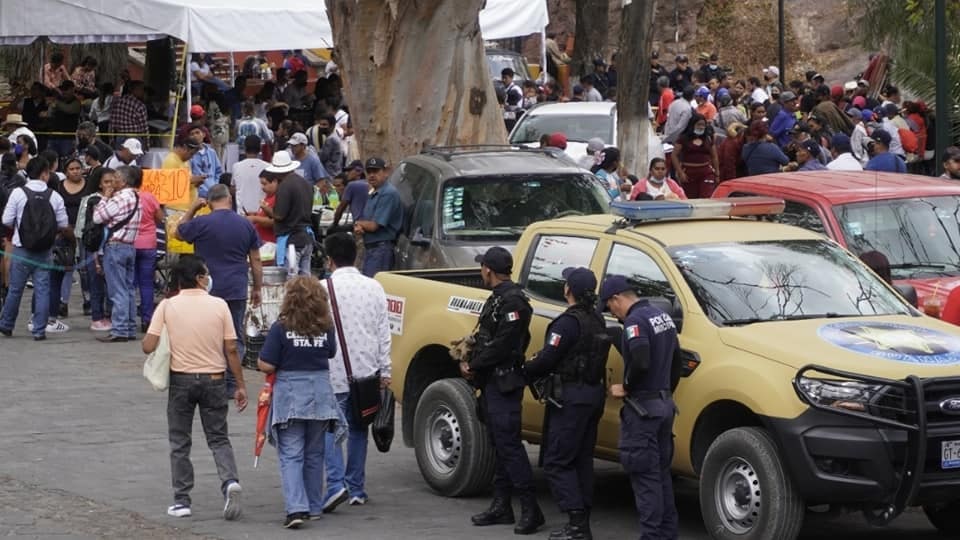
(849, 395)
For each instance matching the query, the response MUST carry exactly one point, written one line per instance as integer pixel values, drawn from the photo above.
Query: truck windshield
(501, 207)
(749, 282)
(496, 62)
(920, 237)
(575, 127)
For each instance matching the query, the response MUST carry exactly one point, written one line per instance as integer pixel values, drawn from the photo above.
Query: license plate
(950, 454)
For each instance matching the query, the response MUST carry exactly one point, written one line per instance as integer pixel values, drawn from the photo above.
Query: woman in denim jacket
(298, 348)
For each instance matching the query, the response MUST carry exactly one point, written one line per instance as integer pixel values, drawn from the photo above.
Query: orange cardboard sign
(169, 186)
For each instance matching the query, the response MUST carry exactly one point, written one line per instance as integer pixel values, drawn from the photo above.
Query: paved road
(84, 455)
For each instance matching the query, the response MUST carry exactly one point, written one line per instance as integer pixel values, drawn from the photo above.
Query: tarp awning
(217, 25)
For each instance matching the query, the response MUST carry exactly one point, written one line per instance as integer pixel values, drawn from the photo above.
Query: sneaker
(335, 500)
(64, 311)
(179, 510)
(7, 333)
(101, 326)
(57, 326)
(293, 521)
(231, 507)
(358, 501)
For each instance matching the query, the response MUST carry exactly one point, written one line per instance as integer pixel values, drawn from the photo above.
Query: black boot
(499, 513)
(531, 518)
(578, 528)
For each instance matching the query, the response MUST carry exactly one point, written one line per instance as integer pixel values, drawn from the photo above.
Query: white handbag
(156, 368)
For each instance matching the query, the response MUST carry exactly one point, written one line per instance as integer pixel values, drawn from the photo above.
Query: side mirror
(419, 239)
(907, 292)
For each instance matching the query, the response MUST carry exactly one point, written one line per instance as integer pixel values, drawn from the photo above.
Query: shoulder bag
(365, 391)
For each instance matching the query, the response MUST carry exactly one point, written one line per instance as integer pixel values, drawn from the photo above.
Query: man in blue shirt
(785, 119)
(807, 153)
(226, 241)
(380, 221)
(354, 194)
(205, 163)
(311, 169)
(883, 160)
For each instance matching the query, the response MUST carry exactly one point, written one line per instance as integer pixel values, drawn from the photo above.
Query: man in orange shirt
(666, 98)
(704, 107)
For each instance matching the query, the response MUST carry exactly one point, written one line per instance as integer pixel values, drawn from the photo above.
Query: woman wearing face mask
(657, 186)
(695, 159)
(607, 169)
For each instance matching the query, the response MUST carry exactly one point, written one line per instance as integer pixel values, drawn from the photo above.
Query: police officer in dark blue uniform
(650, 351)
(570, 370)
(496, 368)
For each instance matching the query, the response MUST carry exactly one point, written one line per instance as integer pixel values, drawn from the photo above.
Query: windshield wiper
(902, 266)
(752, 320)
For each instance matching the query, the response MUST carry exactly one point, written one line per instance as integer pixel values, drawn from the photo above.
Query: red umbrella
(263, 415)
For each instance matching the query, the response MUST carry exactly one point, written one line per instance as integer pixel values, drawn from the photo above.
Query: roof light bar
(697, 208)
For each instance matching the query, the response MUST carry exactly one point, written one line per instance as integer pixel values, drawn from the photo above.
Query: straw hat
(14, 119)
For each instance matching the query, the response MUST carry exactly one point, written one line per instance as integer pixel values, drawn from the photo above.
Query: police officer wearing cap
(495, 366)
(381, 220)
(572, 361)
(650, 351)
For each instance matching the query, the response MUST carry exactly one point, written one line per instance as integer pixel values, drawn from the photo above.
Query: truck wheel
(451, 443)
(745, 493)
(945, 517)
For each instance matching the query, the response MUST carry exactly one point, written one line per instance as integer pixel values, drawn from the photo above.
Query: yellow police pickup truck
(807, 380)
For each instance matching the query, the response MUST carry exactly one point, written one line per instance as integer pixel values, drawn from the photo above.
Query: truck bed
(467, 277)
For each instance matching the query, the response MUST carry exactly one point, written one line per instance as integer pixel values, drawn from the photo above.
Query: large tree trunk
(415, 74)
(590, 37)
(633, 87)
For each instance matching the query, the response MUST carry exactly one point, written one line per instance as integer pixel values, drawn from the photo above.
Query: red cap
(836, 91)
(197, 111)
(558, 140)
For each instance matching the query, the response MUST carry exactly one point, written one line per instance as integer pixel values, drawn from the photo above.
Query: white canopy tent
(217, 25)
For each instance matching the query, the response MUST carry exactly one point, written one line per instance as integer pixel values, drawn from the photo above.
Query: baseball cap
(881, 136)
(860, 102)
(817, 76)
(840, 142)
(836, 91)
(497, 259)
(867, 115)
(595, 145)
(197, 111)
(891, 108)
(297, 138)
(854, 112)
(787, 96)
(703, 91)
(558, 140)
(703, 56)
(613, 284)
(579, 279)
(577, 89)
(92, 152)
(356, 164)
(682, 58)
(774, 70)
(134, 146)
(722, 92)
(811, 146)
(850, 85)
(375, 164)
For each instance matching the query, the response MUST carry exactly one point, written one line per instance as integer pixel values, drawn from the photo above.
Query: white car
(580, 122)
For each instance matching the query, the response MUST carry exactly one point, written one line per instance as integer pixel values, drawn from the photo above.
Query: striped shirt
(116, 209)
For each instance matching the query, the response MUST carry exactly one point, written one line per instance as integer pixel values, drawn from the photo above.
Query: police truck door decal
(897, 342)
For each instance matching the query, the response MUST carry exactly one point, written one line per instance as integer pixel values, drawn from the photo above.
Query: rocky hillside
(820, 35)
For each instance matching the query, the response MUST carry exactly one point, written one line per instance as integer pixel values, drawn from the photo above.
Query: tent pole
(233, 68)
(176, 107)
(543, 51)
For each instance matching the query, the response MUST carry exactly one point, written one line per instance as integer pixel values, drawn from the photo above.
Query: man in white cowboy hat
(291, 214)
(129, 152)
(16, 126)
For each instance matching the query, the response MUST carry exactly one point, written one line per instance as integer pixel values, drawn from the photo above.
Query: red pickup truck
(913, 221)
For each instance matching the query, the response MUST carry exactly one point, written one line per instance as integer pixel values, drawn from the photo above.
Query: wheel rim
(444, 442)
(738, 496)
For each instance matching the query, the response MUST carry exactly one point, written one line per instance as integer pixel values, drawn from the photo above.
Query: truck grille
(895, 404)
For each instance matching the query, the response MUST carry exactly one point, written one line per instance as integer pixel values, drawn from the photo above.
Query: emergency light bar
(697, 208)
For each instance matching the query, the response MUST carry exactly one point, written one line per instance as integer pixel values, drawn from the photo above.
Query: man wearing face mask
(331, 152)
(87, 138)
(711, 70)
(227, 242)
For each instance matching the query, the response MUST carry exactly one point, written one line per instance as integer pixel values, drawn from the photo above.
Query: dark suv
(459, 201)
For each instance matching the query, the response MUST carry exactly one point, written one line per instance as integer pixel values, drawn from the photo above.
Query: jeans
(24, 265)
(144, 268)
(187, 392)
(353, 476)
(98, 290)
(300, 448)
(378, 258)
(238, 308)
(298, 260)
(118, 265)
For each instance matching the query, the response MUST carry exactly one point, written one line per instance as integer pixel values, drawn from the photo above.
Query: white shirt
(246, 178)
(13, 212)
(22, 130)
(592, 95)
(195, 67)
(845, 162)
(759, 95)
(858, 142)
(896, 147)
(115, 162)
(366, 330)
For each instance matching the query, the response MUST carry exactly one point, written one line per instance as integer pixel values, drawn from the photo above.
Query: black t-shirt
(293, 208)
(72, 200)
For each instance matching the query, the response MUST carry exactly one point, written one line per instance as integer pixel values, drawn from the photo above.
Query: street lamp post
(782, 41)
(943, 104)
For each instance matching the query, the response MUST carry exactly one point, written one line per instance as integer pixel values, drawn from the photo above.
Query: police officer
(496, 366)
(573, 360)
(650, 350)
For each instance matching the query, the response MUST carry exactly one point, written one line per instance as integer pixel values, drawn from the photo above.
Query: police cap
(497, 259)
(580, 280)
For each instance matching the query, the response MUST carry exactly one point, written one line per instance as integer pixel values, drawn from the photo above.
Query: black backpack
(38, 223)
(92, 235)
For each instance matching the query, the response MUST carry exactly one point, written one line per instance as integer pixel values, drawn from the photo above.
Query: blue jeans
(145, 267)
(98, 289)
(238, 308)
(24, 265)
(118, 265)
(354, 475)
(378, 258)
(300, 447)
(298, 260)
